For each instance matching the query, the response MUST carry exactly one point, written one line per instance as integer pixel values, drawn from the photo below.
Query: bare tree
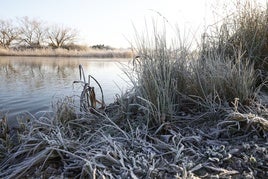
(60, 36)
(8, 33)
(33, 32)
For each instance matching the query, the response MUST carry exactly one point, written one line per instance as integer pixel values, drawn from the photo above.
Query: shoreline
(88, 53)
(225, 152)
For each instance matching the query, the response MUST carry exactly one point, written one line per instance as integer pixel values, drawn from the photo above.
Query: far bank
(60, 52)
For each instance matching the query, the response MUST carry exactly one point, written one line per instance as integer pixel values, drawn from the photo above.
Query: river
(32, 84)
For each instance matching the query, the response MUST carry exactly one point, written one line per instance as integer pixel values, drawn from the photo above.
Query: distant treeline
(26, 33)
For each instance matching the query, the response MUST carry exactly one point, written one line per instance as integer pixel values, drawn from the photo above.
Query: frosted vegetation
(189, 114)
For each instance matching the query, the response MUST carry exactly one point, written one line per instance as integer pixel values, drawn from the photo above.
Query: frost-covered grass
(202, 115)
(121, 144)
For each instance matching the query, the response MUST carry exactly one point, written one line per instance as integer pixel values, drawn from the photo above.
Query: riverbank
(134, 138)
(86, 53)
(120, 143)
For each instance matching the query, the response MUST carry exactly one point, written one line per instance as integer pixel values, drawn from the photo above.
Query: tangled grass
(121, 144)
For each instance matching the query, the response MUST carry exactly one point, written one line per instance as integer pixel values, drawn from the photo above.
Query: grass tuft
(244, 30)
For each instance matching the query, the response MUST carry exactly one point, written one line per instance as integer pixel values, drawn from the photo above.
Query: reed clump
(244, 30)
(161, 73)
(170, 79)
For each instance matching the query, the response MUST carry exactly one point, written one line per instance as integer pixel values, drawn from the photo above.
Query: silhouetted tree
(60, 36)
(8, 33)
(102, 47)
(33, 32)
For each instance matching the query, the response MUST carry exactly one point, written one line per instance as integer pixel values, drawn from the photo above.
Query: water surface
(31, 84)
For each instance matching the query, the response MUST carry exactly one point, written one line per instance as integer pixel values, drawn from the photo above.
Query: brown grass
(88, 53)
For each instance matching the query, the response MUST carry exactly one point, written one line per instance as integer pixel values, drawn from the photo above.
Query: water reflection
(31, 84)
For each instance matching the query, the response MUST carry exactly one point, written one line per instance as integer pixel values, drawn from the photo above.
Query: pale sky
(110, 22)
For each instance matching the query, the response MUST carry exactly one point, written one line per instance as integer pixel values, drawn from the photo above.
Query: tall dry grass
(88, 53)
(170, 78)
(244, 30)
(161, 73)
(219, 77)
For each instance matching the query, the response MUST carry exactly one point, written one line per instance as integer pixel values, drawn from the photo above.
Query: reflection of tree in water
(31, 83)
(29, 69)
(35, 69)
(8, 69)
(35, 73)
(65, 70)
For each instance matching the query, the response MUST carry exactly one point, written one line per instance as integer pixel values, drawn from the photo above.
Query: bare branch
(8, 33)
(60, 36)
(32, 32)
